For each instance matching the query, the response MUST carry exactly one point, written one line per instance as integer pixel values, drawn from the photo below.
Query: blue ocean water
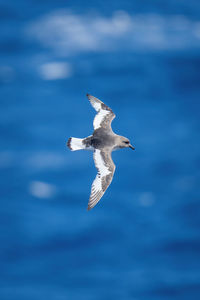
(142, 241)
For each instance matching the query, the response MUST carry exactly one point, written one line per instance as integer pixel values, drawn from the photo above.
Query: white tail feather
(75, 144)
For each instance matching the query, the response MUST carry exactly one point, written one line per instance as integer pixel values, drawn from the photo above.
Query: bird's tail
(75, 144)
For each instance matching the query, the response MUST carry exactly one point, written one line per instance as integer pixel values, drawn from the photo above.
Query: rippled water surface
(142, 241)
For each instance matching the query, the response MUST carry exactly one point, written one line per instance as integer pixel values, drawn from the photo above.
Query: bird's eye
(126, 142)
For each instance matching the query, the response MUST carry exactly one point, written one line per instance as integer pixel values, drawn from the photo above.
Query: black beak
(130, 146)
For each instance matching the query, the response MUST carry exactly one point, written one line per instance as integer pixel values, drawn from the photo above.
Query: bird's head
(125, 143)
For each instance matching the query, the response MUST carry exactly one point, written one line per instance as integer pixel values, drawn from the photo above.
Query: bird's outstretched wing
(104, 115)
(105, 170)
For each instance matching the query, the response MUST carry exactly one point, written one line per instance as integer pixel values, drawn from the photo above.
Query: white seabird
(103, 141)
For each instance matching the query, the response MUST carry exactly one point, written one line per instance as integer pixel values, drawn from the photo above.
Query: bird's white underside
(96, 105)
(103, 171)
(99, 118)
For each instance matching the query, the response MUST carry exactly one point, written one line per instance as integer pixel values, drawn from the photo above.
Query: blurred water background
(142, 241)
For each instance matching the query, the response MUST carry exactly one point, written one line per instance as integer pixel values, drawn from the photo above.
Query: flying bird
(103, 141)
